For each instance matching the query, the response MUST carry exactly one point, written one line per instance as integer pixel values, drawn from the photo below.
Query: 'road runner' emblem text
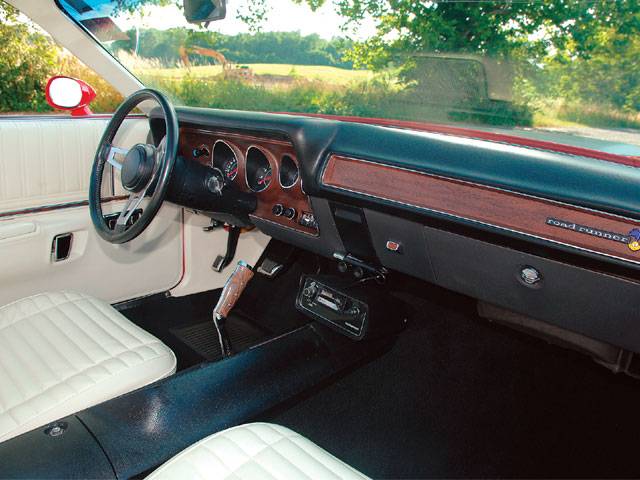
(594, 232)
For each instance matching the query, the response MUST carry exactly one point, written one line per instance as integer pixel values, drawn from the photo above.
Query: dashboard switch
(278, 209)
(308, 220)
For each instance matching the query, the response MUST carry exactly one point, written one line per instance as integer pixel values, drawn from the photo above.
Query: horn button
(137, 168)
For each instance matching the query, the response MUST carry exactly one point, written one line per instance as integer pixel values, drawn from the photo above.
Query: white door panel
(152, 263)
(46, 161)
(17, 229)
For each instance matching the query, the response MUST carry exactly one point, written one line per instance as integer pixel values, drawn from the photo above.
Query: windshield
(564, 71)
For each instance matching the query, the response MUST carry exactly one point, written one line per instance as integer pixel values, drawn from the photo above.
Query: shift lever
(231, 292)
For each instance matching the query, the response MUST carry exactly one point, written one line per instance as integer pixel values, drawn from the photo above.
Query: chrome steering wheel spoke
(111, 156)
(133, 202)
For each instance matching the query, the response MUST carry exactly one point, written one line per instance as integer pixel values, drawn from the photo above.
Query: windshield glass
(563, 71)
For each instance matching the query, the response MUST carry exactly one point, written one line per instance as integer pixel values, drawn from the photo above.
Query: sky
(284, 16)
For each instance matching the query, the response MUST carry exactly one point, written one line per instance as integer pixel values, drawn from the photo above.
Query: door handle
(61, 247)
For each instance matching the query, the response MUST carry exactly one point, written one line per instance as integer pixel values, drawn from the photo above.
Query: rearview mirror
(204, 11)
(66, 93)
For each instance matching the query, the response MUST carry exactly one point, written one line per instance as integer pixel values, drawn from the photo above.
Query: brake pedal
(270, 268)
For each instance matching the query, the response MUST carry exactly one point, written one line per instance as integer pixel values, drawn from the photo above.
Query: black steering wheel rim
(162, 172)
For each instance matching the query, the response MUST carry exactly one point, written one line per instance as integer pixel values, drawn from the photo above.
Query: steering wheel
(144, 171)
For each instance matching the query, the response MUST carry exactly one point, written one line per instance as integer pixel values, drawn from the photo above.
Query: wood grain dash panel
(274, 150)
(492, 206)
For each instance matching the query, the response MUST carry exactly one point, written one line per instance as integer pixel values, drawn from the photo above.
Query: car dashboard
(541, 233)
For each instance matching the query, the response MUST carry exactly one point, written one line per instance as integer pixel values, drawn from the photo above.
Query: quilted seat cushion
(255, 451)
(63, 352)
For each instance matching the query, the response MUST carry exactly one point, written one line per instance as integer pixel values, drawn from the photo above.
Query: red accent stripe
(482, 135)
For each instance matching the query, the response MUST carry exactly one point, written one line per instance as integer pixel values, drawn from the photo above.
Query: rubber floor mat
(203, 337)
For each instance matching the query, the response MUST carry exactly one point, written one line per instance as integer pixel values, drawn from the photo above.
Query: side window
(29, 57)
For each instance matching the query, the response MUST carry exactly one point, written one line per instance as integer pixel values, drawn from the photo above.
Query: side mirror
(204, 11)
(66, 93)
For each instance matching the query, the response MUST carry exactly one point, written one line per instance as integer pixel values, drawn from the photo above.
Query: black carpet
(266, 309)
(162, 317)
(204, 340)
(458, 396)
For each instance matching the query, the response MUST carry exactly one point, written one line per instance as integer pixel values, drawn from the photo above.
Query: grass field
(333, 75)
(325, 89)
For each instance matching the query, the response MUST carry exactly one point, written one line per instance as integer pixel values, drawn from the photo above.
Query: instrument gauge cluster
(268, 167)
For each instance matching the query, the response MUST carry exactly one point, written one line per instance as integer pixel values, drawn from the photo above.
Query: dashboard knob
(278, 209)
(530, 275)
(358, 272)
(354, 310)
(290, 213)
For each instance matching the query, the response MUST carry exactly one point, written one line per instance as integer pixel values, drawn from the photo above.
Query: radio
(342, 312)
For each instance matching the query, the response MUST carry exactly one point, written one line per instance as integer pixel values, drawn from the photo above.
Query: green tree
(27, 59)
(609, 74)
(496, 28)
(573, 50)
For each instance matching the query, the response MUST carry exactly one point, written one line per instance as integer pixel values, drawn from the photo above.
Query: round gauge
(226, 160)
(230, 169)
(288, 172)
(259, 172)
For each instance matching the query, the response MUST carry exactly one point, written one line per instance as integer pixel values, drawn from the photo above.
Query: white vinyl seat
(257, 451)
(63, 352)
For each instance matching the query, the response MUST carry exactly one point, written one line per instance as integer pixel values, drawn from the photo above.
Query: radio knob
(310, 291)
(354, 311)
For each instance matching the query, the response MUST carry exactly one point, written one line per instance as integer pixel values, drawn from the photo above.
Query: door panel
(47, 160)
(150, 264)
(44, 170)
(17, 229)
